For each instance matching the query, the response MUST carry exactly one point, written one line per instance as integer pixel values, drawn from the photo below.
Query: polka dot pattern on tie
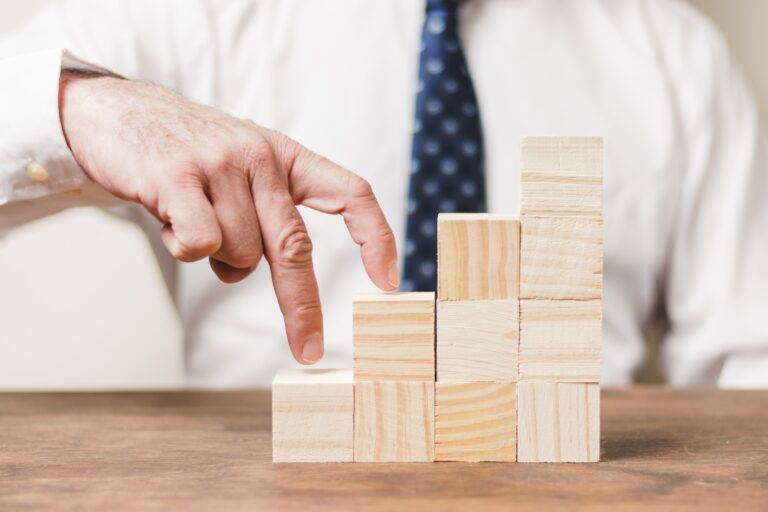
(447, 159)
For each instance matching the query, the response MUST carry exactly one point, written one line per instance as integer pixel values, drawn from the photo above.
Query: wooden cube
(561, 175)
(475, 421)
(312, 416)
(477, 340)
(394, 336)
(478, 256)
(560, 340)
(394, 421)
(561, 258)
(558, 422)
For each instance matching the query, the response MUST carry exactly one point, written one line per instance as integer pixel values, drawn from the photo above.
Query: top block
(478, 256)
(561, 176)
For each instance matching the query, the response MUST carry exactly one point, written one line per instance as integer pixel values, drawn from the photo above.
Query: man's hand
(225, 188)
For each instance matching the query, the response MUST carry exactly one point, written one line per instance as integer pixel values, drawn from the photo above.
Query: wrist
(77, 96)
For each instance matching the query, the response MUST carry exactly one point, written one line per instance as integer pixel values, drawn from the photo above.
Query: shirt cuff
(35, 160)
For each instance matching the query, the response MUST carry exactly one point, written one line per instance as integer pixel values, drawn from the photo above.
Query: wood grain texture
(687, 450)
(561, 176)
(561, 258)
(477, 340)
(558, 422)
(312, 415)
(478, 256)
(475, 421)
(394, 421)
(394, 336)
(560, 340)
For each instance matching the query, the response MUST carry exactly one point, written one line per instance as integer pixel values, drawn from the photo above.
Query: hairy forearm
(75, 92)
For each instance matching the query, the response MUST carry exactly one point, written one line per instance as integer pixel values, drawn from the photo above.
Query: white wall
(81, 300)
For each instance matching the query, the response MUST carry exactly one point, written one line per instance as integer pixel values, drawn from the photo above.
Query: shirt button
(37, 172)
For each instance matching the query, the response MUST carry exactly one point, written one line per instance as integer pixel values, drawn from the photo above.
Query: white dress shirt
(686, 220)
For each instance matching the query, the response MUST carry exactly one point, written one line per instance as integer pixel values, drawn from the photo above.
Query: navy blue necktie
(447, 155)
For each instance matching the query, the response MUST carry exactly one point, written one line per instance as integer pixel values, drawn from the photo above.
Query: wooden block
(476, 421)
(561, 175)
(558, 422)
(560, 340)
(312, 416)
(561, 258)
(394, 421)
(478, 256)
(394, 336)
(477, 340)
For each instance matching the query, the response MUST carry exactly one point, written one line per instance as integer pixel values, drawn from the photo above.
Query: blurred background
(75, 288)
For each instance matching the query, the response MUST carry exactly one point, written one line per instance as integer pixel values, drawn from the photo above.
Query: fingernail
(312, 351)
(394, 275)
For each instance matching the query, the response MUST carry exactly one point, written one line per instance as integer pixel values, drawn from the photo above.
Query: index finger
(322, 185)
(288, 250)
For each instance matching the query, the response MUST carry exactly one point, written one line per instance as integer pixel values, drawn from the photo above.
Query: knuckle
(186, 172)
(182, 178)
(387, 236)
(286, 150)
(273, 135)
(256, 155)
(196, 246)
(228, 274)
(283, 144)
(147, 193)
(242, 259)
(359, 187)
(307, 308)
(220, 159)
(294, 247)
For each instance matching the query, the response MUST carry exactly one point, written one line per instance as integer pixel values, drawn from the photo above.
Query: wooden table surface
(662, 449)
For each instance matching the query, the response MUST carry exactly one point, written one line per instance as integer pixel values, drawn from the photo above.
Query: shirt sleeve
(35, 160)
(38, 174)
(716, 279)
